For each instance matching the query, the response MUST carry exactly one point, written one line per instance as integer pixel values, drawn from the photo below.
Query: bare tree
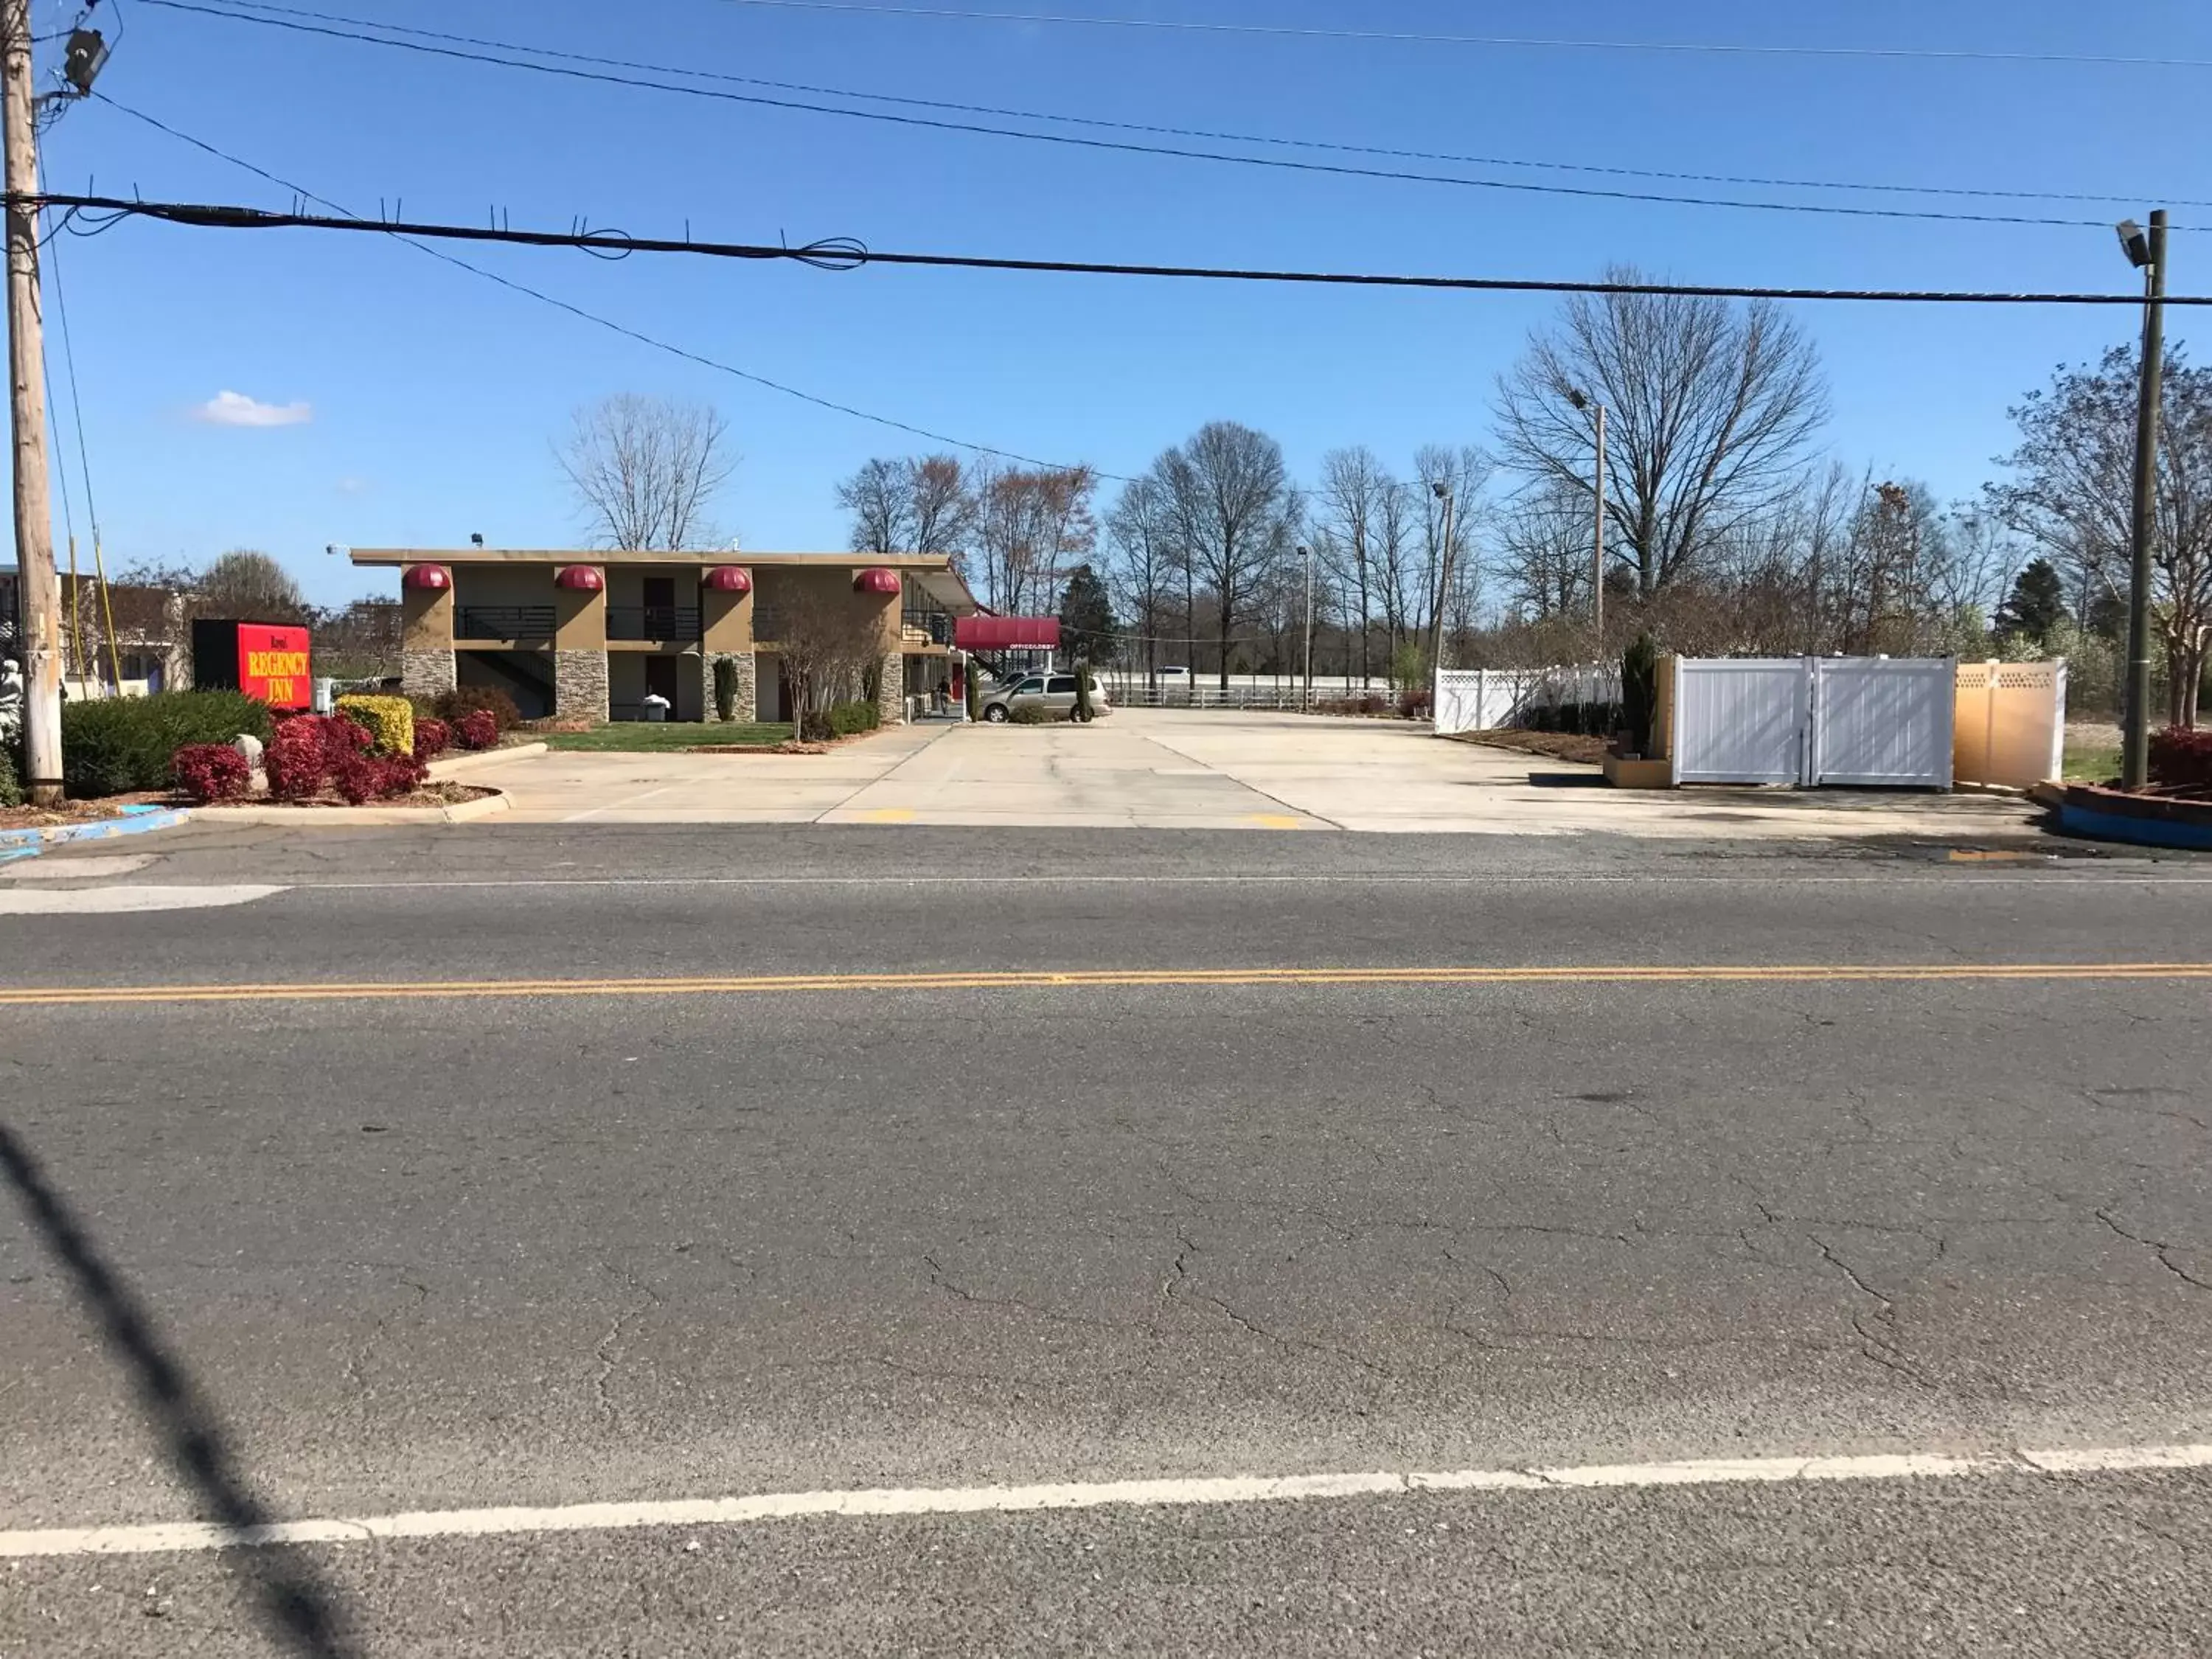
(876, 497)
(645, 471)
(1237, 517)
(1032, 527)
(1352, 480)
(1140, 533)
(247, 585)
(1710, 410)
(1544, 545)
(2072, 496)
(909, 504)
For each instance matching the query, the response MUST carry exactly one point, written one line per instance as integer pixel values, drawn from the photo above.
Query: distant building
(593, 634)
(153, 640)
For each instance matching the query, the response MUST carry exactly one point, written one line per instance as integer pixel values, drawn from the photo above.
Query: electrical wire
(84, 469)
(243, 218)
(579, 312)
(1753, 180)
(1123, 147)
(1289, 31)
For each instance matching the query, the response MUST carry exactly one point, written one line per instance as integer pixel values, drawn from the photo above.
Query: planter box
(2084, 809)
(1623, 772)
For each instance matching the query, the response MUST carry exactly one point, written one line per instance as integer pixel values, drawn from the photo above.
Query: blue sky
(426, 397)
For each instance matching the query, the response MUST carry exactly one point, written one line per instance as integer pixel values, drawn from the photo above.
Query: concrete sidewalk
(1156, 769)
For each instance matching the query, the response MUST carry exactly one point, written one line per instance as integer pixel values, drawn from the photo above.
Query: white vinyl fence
(1489, 699)
(1811, 721)
(2011, 725)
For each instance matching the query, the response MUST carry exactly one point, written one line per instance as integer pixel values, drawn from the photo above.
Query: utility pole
(1597, 544)
(41, 585)
(2135, 736)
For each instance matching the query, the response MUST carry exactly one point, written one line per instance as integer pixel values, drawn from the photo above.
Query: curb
(338, 817)
(128, 821)
(449, 765)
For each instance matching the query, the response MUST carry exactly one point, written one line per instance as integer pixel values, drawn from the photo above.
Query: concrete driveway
(1161, 769)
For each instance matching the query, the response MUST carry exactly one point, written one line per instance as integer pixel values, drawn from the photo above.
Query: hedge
(112, 746)
(390, 721)
(450, 706)
(2181, 759)
(847, 718)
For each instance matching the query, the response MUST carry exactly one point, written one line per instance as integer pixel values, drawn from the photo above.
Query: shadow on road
(299, 1608)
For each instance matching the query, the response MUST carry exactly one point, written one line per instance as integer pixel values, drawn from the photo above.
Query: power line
(1289, 31)
(593, 317)
(1163, 130)
(1118, 146)
(610, 242)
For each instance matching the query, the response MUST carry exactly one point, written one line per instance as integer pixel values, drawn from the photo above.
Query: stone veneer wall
(890, 694)
(426, 674)
(580, 684)
(747, 688)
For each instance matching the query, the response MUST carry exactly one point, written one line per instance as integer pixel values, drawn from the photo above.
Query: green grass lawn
(2092, 763)
(651, 737)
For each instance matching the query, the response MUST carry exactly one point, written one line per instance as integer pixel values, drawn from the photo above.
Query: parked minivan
(1053, 692)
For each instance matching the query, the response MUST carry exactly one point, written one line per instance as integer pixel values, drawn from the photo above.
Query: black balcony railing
(652, 621)
(503, 622)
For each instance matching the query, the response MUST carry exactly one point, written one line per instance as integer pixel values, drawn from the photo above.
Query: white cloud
(236, 409)
(352, 486)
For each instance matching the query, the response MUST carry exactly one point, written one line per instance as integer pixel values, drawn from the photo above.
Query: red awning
(1006, 632)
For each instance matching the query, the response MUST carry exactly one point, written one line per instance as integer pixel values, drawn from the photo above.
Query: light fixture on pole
(1305, 699)
(1597, 532)
(2148, 254)
(1444, 493)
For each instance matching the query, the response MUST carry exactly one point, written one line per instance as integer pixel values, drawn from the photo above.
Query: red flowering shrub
(2181, 757)
(433, 737)
(343, 738)
(295, 759)
(403, 775)
(477, 729)
(210, 771)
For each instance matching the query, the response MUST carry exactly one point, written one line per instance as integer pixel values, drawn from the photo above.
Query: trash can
(656, 705)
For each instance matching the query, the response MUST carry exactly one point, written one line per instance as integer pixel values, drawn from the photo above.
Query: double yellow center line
(1102, 979)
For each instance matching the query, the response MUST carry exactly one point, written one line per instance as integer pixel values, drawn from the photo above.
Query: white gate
(1866, 721)
(1882, 720)
(1742, 719)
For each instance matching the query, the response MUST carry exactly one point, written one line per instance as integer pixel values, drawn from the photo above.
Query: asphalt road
(641, 1245)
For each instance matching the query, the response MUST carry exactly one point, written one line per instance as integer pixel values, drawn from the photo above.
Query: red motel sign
(272, 665)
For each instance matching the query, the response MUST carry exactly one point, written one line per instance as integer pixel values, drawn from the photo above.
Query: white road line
(194, 1537)
(124, 900)
(1952, 881)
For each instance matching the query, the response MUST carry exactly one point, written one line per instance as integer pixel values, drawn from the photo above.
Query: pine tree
(2036, 605)
(1087, 627)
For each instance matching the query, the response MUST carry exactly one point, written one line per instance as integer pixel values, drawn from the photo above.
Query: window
(1028, 687)
(1063, 685)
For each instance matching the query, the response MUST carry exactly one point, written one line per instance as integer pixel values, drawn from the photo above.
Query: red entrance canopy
(1006, 632)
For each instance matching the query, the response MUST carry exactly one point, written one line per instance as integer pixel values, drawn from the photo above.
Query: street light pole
(1597, 542)
(1582, 400)
(2148, 253)
(1305, 699)
(1444, 492)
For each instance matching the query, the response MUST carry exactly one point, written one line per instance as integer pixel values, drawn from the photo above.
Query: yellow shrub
(389, 720)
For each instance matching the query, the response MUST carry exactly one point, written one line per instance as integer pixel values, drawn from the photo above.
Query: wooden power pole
(39, 584)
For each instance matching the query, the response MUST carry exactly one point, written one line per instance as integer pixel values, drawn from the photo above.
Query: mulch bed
(79, 812)
(431, 794)
(1555, 745)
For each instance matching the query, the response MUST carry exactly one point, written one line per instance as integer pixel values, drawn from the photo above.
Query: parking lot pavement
(1168, 769)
